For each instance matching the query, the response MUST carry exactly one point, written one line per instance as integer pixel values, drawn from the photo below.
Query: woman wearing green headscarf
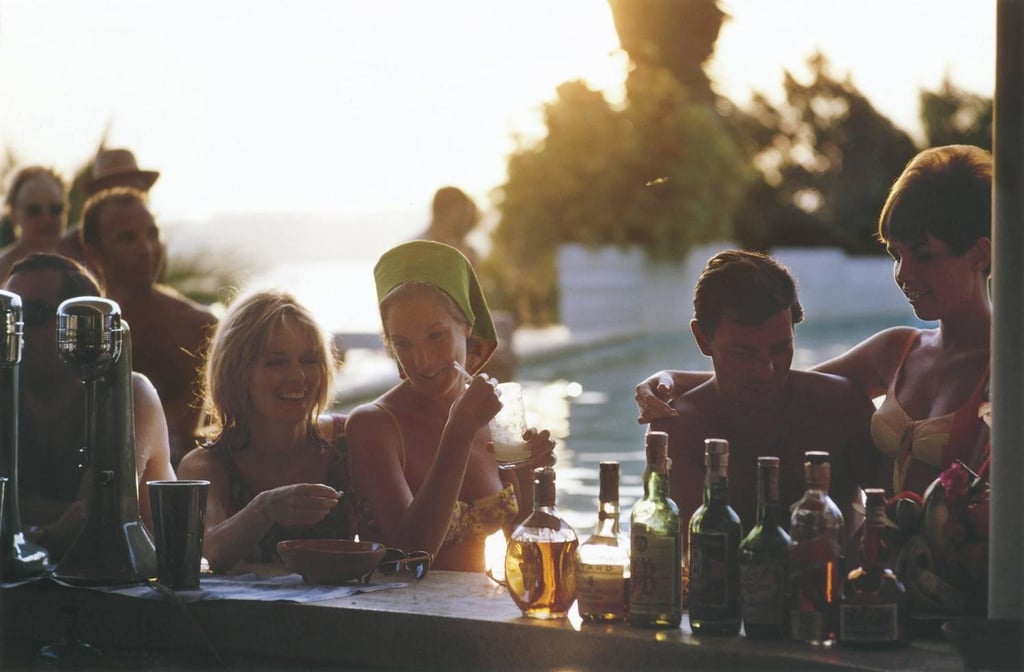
(420, 454)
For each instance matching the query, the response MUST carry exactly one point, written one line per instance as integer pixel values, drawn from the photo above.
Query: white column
(1006, 559)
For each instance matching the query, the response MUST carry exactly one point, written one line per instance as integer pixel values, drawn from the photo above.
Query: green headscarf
(447, 269)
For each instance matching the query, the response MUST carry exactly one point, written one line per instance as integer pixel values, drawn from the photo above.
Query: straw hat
(117, 168)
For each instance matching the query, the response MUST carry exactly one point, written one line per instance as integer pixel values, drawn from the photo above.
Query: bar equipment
(114, 545)
(19, 557)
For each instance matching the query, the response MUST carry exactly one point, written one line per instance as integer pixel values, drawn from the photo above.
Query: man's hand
(654, 396)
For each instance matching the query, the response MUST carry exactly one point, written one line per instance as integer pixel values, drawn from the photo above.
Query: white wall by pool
(611, 290)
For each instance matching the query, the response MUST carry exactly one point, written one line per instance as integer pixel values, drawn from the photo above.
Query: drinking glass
(508, 426)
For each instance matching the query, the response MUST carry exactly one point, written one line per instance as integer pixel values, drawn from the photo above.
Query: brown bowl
(330, 561)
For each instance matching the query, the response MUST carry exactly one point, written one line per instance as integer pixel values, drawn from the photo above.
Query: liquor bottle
(540, 558)
(764, 561)
(714, 540)
(816, 557)
(602, 569)
(655, 590)
(874, 612)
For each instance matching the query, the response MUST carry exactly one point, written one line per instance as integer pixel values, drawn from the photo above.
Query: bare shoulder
(201, 463)
(366, 423)
(826, 391)
(183, 307)
(142, 386)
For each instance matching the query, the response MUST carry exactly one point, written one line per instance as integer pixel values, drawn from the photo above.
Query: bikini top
(474, 520)
(936, 441)
(340, 523)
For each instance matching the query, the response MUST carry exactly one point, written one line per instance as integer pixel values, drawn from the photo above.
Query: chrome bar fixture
(114, 545)
(19, 557)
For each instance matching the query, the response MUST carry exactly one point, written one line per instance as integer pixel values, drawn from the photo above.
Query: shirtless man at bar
(122, 243)
(745, 306)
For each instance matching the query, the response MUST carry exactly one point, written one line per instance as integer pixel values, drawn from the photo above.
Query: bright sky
(351, 106)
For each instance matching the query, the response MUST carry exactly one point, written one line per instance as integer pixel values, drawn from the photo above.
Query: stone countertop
(448, 620)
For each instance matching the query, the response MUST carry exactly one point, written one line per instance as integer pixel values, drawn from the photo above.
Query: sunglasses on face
(35, 210)
(36, 312)
(396, 560)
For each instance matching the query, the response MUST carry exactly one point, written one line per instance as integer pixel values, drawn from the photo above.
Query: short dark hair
(944, 192)
(93, 209)
(746, 287)
(75, 279)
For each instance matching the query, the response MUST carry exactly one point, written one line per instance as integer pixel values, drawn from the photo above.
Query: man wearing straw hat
(111, 168)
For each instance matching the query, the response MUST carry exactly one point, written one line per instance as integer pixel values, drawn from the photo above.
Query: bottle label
(807, 626)
(654, 573)
(601, 589)
(763, 590)
(868, 623)
(709, 562)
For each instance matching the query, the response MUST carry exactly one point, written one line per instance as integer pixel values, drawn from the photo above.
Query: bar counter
(448, 620)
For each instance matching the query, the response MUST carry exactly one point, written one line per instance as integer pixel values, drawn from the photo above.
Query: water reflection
(586, 399)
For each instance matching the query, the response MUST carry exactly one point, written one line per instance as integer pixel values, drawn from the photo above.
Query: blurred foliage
(952, 116)
(828, 158)
(663, 173)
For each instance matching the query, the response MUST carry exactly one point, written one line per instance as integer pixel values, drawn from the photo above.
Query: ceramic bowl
(330, 561)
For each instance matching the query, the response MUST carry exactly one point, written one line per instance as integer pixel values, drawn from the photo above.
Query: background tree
(664, 172)
(828, 158)
(952, 116)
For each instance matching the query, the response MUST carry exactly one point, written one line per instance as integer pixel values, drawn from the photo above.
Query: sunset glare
(345, 107)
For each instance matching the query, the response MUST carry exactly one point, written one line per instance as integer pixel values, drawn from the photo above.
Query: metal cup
(179, 516)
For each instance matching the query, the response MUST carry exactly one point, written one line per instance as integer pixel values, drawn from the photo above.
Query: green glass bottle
(764, 561)
(655, 596)
(714, 541)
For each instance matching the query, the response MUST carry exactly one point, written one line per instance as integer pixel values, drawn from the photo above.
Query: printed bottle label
(709, 558)
(601, 589)
(654, 568)
(763, 590)
(868, 623)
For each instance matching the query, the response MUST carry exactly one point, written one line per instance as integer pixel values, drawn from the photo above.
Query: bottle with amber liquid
(655, 589)
(540, 558)
(816, 557)
(874, 612)
(764, 561)
(602, 567)
(714, 540)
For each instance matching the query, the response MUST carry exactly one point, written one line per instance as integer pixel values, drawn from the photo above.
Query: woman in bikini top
(421, 454)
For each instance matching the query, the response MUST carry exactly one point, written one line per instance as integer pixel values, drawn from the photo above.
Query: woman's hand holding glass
(298, 504)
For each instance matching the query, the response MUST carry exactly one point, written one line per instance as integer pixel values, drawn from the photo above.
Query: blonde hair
(232, 353)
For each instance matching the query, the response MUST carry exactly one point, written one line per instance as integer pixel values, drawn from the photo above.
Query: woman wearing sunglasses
(421, 457)
(36, 205)
(274, 473)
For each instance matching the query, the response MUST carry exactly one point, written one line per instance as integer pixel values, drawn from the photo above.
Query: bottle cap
(657, 450)
(875, 497)
(716, 454)
(817, 457)
(544, 474)
(767, 461)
